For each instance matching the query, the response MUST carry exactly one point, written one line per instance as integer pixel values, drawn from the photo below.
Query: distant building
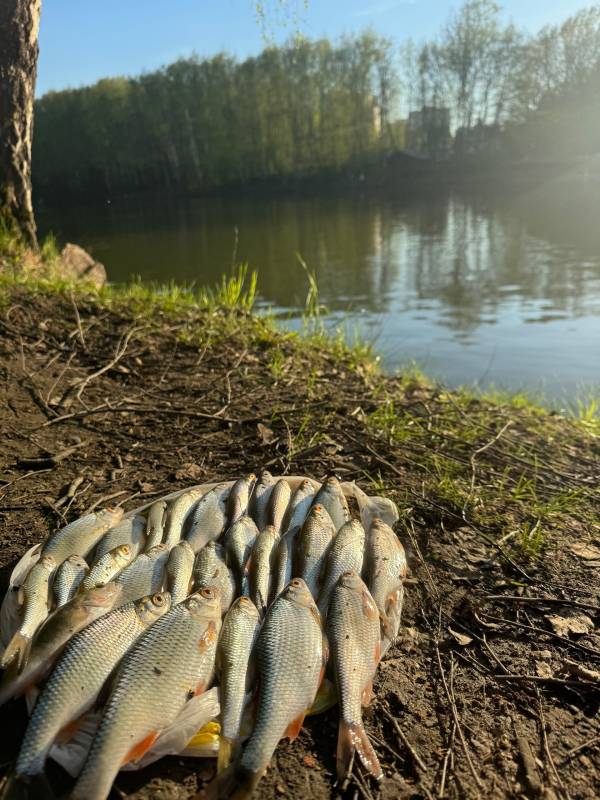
(428, 133)
(479, 138)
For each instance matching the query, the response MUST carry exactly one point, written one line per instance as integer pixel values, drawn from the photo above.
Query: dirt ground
(492, 689)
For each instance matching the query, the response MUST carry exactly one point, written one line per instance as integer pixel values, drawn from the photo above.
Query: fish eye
(207, 592)
(158, 599)
(296, 582)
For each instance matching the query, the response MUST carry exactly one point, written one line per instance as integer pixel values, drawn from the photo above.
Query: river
(476, 289)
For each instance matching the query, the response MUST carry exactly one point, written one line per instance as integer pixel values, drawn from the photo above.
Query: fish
(260, 566)
(151, 687)
(34, 597)
(80, 673)
(345, 554)
(312, 544)
(283, 560)
(238, 542)
(209, 519)
(353, 632)
(291, 653)
(108, 567)
(68, 579)
(155, 524)
(259, 499)
(234, 666)
(145, 575)
(60, 626)
(130, 531)
(180, 568)
(385, 569)
(299, 506)
(237, 503)
(79, 537)
(178, 513)
(211, 569)
(333, 500)
(278, 504)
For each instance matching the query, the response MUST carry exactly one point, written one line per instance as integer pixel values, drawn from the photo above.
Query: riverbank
(115, 395)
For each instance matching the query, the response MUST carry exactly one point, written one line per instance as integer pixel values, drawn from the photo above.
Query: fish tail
(234, 783)
(352, 738)
(226, 753)
(27, 787)
(18, 648)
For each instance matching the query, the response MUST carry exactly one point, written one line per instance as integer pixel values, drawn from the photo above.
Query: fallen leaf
(265, 433)
(588, 551)
(576, 623)
(189, 470)
(543, 669)
(461, 638)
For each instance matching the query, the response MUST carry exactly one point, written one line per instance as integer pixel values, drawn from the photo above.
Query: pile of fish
(282, 592)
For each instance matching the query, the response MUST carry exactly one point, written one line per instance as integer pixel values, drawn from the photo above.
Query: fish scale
(68, 578)
(107, 567)
(180, 567)
(130, 531)
(145, 575)
(78, 537)
(299, 506)
(238, 542)
(261, 567)
(209, 517)
(385, 569)
(155, 524)
(289, 657)
(80, 673)
(151, 687)
(260, 498)
(311, 547)
(278, 504)
(345, 554)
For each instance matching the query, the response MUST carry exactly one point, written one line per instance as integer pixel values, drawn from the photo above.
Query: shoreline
(160, 390)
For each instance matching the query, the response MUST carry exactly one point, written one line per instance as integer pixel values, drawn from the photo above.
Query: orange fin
(69, 730)
(369, 608)
(352, 738)
(295, 726)
(367, 693)
(141, 748)
(377, 653)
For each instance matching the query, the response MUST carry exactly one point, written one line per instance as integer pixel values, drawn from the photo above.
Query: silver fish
(155, 524)
(34, 597)
(60, 626)
(130, 531)
(209, 518)
(299, 506)
(278, 504)
(108, 567)
(312, 544)
(239, 496)
(291, 655)
(345, 554)
(284, 560)
(68, 578)
(385, 570)
(79, 674)
(145, 575)
(238, 636)
(238, 543)
(333, 500)
(353, 633)
(180, 568)
(80, 536)
(260, 567)
(178, 512)
(260, 498)
(210, 569)
(151, 688)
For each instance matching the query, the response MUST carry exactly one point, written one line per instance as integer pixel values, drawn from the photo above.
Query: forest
(316, 108)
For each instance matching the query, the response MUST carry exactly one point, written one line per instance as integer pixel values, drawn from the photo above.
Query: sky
(82, 41)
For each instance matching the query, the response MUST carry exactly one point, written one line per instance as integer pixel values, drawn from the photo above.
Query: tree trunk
(19, 25)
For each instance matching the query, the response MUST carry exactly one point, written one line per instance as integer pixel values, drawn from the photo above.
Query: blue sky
(84, 40)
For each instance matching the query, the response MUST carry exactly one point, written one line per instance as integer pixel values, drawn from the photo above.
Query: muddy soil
(492, 688)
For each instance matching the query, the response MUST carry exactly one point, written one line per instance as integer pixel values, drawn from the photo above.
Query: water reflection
(477, 289)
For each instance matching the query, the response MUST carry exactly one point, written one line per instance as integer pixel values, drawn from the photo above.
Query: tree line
(314, 107)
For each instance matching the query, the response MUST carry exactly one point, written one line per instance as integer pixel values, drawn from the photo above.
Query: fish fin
(367, 693)
(234, 783)
(18, 648)
(141, 748)
(69, 730)
(352, 738)
(228, 752)
(377, 653)
(295, 726)
(324, 655)
(368, 605)
(27, 787)
(20, 595)
(387, 627)
(326, 698)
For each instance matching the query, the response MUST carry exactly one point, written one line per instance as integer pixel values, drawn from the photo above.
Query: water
(477, 290)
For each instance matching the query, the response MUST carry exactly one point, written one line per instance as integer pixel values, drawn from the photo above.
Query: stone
(75, 263)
